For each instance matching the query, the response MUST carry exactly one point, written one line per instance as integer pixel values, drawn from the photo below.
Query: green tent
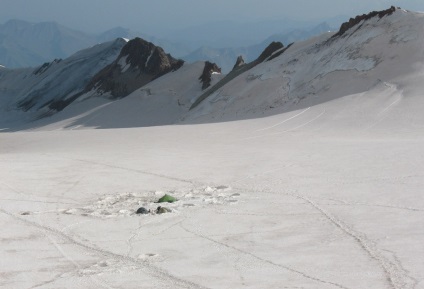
(167, 199)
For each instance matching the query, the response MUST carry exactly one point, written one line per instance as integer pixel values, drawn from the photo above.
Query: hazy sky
(153, 16)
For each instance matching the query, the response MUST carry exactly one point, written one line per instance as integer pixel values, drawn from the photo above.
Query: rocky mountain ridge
(358, 19)
(34, 89)
(138, 63)
(225, 57)
(281, 78)
(111, 70)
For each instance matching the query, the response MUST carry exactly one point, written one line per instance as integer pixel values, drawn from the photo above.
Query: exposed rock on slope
(378, 54)
(113, 70)
(354, 21)
(162, 101)
(224, 57)
(34, 89)
(239, 62)
(206, 76)
(138, 63)
(239, 69)
(274, 46)
(46, 66)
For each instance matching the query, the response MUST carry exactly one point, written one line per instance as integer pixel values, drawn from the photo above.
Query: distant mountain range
(223, 34)
(225, 57)
(25, 44)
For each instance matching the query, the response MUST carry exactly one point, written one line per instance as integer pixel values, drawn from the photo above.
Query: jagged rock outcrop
(239, 62)
(274, 46)
(278, 53)
(139, 63)
(266, 54)
(45, 66)
(354, 21)
(206, 77)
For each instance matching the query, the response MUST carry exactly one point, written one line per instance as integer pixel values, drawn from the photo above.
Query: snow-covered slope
(32, 89)
(101, 74)
(374, 55)
(160, 102)
(323, 193)
(377, 55)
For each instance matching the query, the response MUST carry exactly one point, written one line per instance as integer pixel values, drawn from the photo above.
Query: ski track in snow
(396, 275)
(144, 265)
(133, 170)
(32, 195)
(389, 106)
(343, 203)
(54, 279)
(287, 130)
(96, 280)
(261, 174)
(383, 117)
(136, 232)
(292, 270)
(35, 201)
(286, 120)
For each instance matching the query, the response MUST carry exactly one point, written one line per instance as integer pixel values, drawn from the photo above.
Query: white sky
(154, 16)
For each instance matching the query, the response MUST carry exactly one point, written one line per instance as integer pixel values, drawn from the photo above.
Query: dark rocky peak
(137, 52)
(274, 46)
(239, 62)
(147, 57)
(208, 70)
(138, 63)
(355, 21)
(278, 53)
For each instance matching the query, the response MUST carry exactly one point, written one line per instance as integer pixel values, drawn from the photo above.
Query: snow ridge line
(396, 275)
(143, 265)
(263, 260)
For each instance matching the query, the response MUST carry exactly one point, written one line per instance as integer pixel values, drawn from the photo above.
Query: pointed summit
(206, 77)
(138, 63)
(239, 62)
